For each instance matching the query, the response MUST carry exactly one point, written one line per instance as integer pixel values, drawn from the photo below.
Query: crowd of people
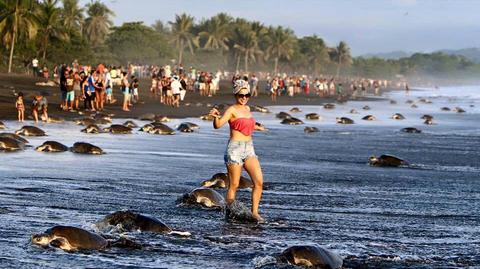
(323, 87)
(94, 85)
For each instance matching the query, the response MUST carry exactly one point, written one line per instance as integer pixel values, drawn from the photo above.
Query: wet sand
(193, 106)
(318, 189)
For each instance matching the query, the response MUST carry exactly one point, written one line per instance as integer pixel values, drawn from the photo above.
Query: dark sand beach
(193, 106)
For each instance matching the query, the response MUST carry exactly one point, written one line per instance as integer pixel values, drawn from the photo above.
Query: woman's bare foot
(258, 218)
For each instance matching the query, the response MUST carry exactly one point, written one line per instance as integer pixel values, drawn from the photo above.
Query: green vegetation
(60, 31)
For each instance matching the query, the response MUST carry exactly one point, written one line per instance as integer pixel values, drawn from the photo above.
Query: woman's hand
(219, 120)
(214, 113)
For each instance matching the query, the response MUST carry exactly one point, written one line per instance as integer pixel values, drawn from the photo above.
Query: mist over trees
(60, 31)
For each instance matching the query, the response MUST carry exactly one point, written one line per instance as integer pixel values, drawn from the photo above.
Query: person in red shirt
(240, 152)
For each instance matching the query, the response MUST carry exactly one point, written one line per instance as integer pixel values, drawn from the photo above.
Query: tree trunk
(224, 59)
(180, 53)
(275, 68)
(12, 44)
(45, 43)
(246, 61)
(338, 66)
(238, 63)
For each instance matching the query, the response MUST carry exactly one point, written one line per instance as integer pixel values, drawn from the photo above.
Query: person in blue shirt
(88, 88)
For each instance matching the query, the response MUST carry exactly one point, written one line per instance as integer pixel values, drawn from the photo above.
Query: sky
(368, 26)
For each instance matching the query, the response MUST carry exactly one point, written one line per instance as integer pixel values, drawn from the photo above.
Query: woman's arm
(219, 121)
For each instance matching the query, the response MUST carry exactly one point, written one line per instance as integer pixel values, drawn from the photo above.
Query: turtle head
(40, 148)
(214, 182)
(209, 183)
(93, 129)
(41, 239)
(147, 128)
(96, 151)
(373, 160)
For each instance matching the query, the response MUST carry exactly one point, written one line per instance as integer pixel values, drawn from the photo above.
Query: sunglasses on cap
(239, 95)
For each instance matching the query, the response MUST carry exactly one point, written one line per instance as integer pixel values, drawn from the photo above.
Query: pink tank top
(243, 125)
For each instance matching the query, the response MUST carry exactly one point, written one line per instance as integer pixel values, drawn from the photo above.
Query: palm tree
(182, 34)
(98, 22)
(224, 18)
(72, 16)
(315, 50)
(235, 36)
(246, 43)
(216, 33)
(343, 57)
(160, 27)
(262, 38)
(281, 43)
(50, 24)
(18, 20)
(260, 31)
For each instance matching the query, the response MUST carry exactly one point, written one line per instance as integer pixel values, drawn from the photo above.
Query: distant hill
(394, 55)
(473, 54)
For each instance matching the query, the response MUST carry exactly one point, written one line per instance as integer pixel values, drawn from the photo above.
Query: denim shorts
(238, 151)
(70, 96)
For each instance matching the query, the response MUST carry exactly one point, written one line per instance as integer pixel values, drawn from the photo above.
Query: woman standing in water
(125, 91)
(240, 151)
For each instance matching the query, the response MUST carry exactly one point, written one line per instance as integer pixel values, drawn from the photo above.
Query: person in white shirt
(35, 67)
(168, 71)
(215, 84)
(319, 86)
(176, 87)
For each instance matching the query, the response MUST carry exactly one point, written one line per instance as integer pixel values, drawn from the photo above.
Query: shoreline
(194, 105)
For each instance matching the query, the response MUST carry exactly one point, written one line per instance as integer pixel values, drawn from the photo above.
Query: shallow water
(318, 189)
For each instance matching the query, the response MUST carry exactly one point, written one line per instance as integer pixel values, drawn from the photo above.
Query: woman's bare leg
(35, 115)
(234, 172)
(252, 166)
(125, 102)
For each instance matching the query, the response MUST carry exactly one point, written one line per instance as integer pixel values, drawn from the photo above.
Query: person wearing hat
(240, 152)
(176, 87)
